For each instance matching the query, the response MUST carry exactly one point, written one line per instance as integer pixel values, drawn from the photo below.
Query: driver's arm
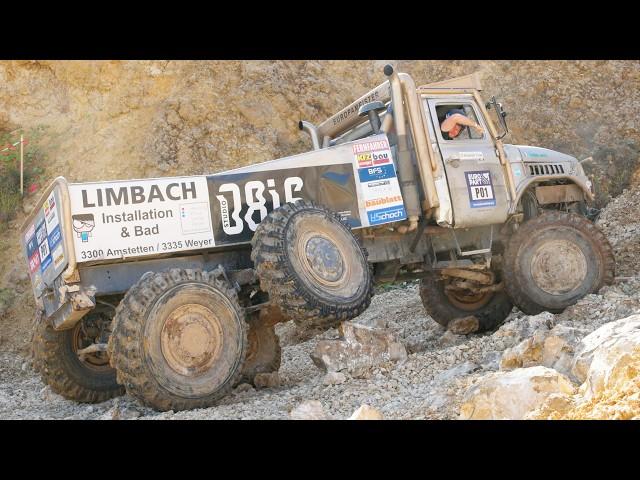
(457, 118)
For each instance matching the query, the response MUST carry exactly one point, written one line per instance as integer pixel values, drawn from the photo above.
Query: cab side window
(466, 133)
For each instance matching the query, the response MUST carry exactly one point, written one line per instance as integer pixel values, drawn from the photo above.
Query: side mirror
(500, 113)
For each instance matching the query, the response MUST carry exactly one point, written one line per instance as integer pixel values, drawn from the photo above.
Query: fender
(529, 182)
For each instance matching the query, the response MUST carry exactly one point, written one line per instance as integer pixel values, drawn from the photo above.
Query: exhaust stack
(406, 172)
(312, 130)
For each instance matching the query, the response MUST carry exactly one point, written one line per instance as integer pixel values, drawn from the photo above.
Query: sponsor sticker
(477, 156)
(34, 261)
(55, 237)
(376, 173)
(32, 244)
(374, 146)
(41, 232)
(194, 218)
(139, 217)
(381, 194)
(58, 256)
(45, 255)
(386, 215)
(480, 188)
(528, 153)
(50, 212)
(240, 201)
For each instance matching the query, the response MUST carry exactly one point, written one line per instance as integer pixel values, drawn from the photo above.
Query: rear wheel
(555, 259)
(312, 266)
(179, 339)
(443, 306)
(88, 378)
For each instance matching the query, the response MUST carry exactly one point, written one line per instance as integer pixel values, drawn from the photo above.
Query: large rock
(359, 347)
(553, 348)
(611, 358)
(614, 361)
(513, 394)
(553, 407)
(527, 353)
(604, 337)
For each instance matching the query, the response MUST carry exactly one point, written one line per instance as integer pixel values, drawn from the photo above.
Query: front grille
(545, 169)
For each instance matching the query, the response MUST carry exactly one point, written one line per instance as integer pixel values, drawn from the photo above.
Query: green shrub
(10, 198)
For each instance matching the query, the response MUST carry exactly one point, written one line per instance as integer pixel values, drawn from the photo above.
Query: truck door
(474, 175)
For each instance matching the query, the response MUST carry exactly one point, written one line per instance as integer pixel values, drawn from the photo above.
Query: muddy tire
(263, 352)
(554, 260)
(490, 309)
(179, 339)
(312, 266)
(91, 380)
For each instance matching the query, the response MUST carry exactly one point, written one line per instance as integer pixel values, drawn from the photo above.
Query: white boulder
(513, 394)
(602, 339)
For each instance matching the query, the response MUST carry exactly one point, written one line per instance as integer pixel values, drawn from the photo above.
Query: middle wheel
(443, 306)
(311, 265)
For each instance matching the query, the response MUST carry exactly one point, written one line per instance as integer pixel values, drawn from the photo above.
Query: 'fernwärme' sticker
(480, 188)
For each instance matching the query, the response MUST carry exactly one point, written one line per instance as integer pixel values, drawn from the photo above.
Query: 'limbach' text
(137, 194)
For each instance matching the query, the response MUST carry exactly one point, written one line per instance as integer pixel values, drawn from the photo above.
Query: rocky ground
(441, 367)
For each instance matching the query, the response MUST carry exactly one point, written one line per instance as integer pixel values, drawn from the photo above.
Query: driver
(456, 121)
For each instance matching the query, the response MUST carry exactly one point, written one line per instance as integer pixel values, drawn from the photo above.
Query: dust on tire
(527, 286)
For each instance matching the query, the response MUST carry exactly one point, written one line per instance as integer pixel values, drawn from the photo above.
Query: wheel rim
(469, 303)
(320, 248)
(558, 267)
(323, 259)
(191, 339)
(86, 332)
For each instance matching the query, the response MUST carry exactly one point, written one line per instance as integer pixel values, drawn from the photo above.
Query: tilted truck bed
(134, 221)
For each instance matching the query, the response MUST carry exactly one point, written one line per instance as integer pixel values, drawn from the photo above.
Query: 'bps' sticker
(480, 188)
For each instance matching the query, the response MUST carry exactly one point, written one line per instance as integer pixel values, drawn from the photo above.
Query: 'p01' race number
(480, 188)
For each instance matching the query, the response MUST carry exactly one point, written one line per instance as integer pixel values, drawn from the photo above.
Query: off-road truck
(169, 288)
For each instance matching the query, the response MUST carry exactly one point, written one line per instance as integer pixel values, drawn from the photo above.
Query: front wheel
(554, 260)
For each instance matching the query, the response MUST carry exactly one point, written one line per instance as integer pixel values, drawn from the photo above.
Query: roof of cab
(466, 82)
